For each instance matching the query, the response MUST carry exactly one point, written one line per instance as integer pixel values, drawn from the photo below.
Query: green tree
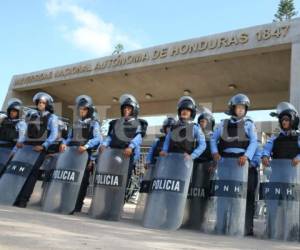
(286, 11)
(118, 49)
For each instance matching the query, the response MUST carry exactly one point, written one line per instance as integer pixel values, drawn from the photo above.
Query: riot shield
(198, 195)
(42, 183)
(17, 172)
(65, 181)
(143, 194)
(5, 154)
(282, 197)
(227, 203)
(109, 185)
(169, 189)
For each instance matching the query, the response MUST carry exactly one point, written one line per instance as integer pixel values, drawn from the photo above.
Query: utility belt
(7, 144)
(76, 143)
(232, 155)
(121, 145)
(202, 160)
(93, 152)
(52, 149)
(34, 142)
(82, 143)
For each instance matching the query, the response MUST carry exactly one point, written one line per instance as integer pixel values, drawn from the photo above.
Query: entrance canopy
(260, 61)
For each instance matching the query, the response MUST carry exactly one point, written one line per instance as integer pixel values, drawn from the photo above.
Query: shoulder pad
(144, 126)
(52, 116)
(210, 133)
(143, 122)
(95, 121)
(222, 122)
(113, 121)
(296, 132)
(196, 125)
(248, 119)
(111, 125)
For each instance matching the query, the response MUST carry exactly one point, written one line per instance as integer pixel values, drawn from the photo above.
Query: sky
(39, 34)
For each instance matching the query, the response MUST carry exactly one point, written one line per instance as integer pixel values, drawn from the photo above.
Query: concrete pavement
(32, 229)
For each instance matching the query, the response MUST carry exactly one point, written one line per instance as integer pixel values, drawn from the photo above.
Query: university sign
(186, 48)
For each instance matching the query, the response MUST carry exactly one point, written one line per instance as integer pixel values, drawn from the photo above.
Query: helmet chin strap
(15, 119)
(85, 120)
(128, 118)
(43, 113)
(235, 118)
(189, 120)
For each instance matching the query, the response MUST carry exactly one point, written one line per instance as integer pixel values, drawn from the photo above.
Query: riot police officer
(235, 137)
(233, 145)
(157, 145)
(13, 127)
(282, 154)
(127, 132)
(86, 135)
(12, 132)
(185, 136)
(197, 202)
(183, 143)
(42, 133)
(286, 145)
(207, 123)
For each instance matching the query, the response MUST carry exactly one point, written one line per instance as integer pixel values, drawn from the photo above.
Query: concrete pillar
(295, 75)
